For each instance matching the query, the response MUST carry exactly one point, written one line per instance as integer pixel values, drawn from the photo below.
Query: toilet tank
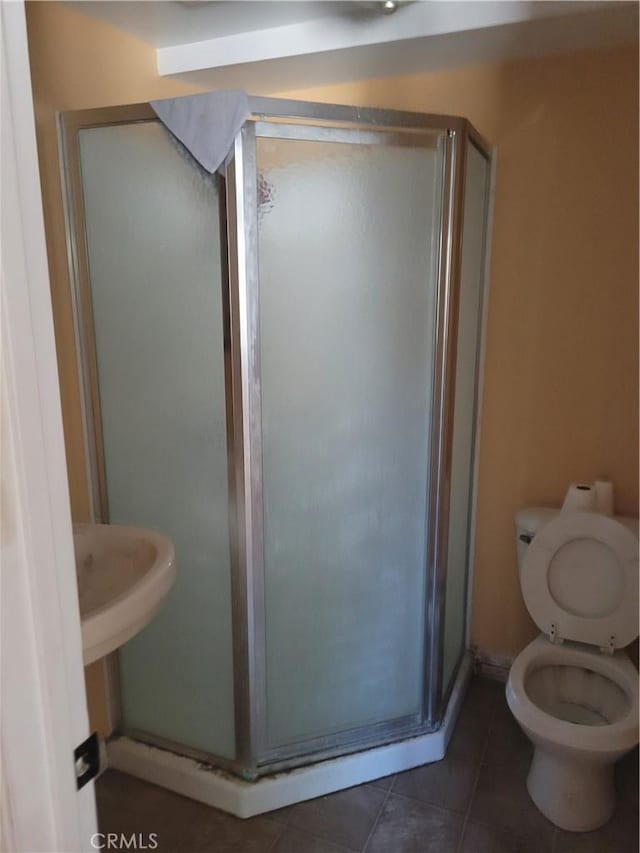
(531, 519)
(528, 522)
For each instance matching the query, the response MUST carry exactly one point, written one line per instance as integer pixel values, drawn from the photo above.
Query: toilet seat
(580, 580)
(619, 735)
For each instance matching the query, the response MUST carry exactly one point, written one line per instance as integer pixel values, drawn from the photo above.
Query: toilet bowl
(573, 691)
(580, 710)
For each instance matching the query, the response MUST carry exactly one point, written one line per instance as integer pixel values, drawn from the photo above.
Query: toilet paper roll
(604, 496)
(580, 497)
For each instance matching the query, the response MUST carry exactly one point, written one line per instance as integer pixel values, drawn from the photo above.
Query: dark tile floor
(473, 801)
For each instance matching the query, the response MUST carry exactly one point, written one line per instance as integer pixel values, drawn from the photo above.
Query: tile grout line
(286, 828)
(419, 802)
(379, 815)
(467, 813)
(276, 840)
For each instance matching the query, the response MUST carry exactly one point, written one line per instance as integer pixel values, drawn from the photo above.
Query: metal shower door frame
(243, 398)
(319, 122)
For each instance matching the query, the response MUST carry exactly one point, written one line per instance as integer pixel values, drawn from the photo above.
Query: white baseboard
(245, 799)
(490, 665)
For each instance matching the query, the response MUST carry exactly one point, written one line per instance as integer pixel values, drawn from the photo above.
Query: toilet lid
(580, 574)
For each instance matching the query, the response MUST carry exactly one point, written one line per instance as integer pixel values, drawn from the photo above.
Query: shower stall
(279, 366)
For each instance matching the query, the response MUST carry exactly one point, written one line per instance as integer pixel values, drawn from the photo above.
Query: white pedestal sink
(124, 575)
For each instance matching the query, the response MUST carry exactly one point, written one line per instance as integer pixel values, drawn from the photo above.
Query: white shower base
(246, 799)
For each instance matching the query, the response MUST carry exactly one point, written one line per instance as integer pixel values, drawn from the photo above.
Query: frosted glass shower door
(348, 262)
(153, 241)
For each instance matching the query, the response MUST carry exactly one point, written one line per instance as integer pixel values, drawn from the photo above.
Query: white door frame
(44, 711)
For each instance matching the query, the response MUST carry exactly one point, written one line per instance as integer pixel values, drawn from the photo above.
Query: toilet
(573, 691)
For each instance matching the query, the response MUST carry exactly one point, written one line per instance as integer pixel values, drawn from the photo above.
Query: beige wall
(77, 63)
(560, 390)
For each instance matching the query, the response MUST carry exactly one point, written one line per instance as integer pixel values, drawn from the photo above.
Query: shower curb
(245, 799)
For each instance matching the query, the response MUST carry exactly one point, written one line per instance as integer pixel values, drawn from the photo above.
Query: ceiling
(272, 44)
(171, 22)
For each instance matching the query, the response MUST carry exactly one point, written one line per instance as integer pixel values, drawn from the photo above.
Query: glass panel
(473, 246)
(348, 262)
(152, 225)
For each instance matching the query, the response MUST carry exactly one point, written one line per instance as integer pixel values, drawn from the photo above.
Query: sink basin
(124, 575)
